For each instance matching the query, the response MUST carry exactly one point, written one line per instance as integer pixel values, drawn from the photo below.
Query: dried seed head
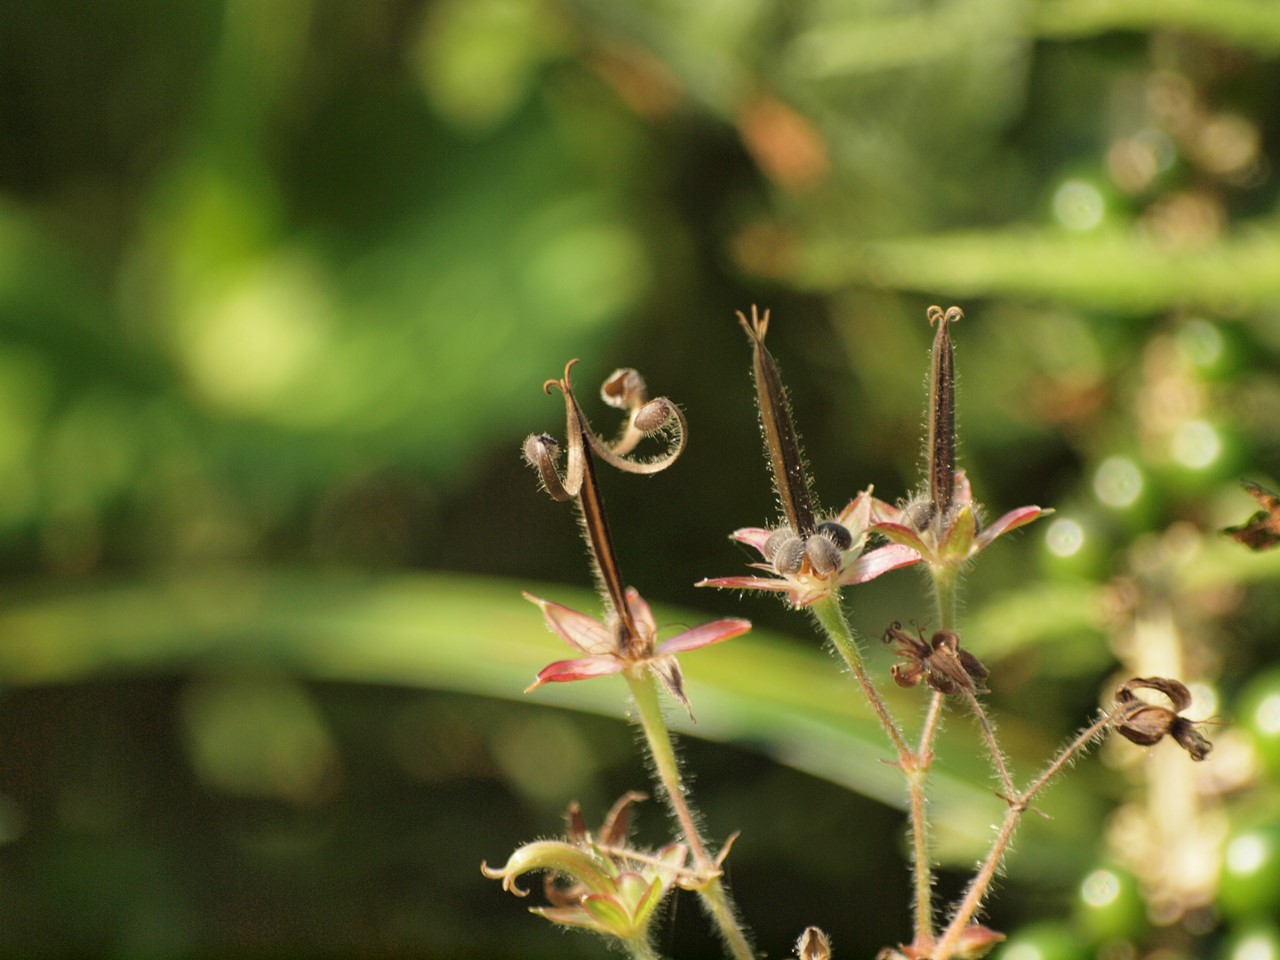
(1146, 724)
(941, 663)
(813, 945)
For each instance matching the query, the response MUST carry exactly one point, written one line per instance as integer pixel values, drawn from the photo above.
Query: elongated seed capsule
(942, 413)
(789, 476)
(598, 536)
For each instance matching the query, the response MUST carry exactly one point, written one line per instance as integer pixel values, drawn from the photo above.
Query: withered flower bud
(1146, 724)
(813, 945)
(941, 663)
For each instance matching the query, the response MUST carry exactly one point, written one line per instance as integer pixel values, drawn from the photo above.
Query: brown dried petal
(944, 672)
(617, 823)
(1186, 735)
(1177, 692)
(907, 674)
(908, 646)
(575, 825)
(1146, 724)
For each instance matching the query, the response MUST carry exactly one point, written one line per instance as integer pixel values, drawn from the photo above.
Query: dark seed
(839, 535)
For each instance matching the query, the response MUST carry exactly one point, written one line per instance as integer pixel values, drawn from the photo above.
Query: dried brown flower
(1146, 724)
(941, 663)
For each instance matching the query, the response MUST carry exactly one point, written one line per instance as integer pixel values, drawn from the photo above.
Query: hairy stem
(714, 895)
(993, 747)
(639, 949)
(831, 618)
(914, 765)
(944, 591)
(1018, 805)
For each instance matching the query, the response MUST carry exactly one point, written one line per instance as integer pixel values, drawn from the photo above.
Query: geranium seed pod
(824, 556)
(942, 412)
(789, 557)
(775, 541)
(652, 415)
(838, 534)
(625, 389)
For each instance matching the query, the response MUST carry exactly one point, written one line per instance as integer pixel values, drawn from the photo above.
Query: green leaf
(480, 637)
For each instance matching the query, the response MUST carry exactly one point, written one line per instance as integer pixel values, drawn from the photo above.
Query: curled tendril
(625, 390)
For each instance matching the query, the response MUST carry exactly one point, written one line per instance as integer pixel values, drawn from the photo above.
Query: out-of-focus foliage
(279, 286)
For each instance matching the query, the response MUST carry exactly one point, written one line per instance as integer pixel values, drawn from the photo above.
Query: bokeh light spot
(1266, 716)
(1204, 699)
(1100, 888)
(1022, 951)
(1195, 444)
(1118, 482)
(247, 347)
(1064, 538)
(1246, 854)
(1200, 342)
(1078, 205)
(1256, 946)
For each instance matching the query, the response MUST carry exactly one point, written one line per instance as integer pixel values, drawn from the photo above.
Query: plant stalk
(831, 618)
(639, 949)
(1018, 805)
(714, 894)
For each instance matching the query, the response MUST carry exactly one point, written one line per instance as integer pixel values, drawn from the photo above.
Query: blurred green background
(280, 283)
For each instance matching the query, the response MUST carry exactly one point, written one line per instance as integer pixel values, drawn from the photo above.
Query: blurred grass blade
(474, 636)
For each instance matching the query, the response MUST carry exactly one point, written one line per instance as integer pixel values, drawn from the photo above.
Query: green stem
(944, 590)
(639, 949)
(944, 593)
(831, 618)
(914, 765)
(714, 895)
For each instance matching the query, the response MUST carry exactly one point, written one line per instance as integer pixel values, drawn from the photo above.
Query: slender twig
(993, 747)
(1018, 805)
(715, 897)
